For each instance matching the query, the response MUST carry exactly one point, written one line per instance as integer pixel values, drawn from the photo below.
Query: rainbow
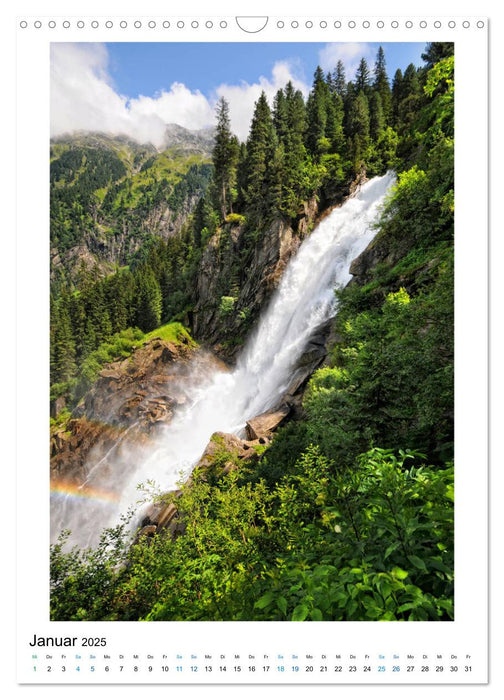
(62, 488)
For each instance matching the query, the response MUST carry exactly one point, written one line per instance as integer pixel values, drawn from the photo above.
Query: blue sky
(146, 68)
(136, 89)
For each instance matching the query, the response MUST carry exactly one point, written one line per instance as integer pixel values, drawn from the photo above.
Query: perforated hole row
(223, 24)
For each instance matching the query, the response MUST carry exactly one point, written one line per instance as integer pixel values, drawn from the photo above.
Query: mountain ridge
(110, 195)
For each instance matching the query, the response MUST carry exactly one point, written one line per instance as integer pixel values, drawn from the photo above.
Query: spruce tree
(360, 128)
(241, 176)
(88, 343)
(330, 82)
(410, 98)
(317, 107)
(64, 366)
(381, 84)
(376, 116)
(224, 156)
(77, 313)
(149, 300)
(200, 220)
(276, 179)
(348, 100)
(294, 157)
(410, 82)
(296, 124)
(116, 295)
(339, 80)
(260, 153)
(280, 117)
(362, 77)
(437, 50)
(397, 92)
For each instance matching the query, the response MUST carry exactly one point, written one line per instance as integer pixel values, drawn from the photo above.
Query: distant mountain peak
(200, 140)
(185, 140)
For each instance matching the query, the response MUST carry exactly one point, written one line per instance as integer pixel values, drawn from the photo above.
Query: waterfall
(303, 302)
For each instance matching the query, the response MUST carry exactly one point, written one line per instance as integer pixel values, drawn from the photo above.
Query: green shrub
(226, 306)
(235, 219)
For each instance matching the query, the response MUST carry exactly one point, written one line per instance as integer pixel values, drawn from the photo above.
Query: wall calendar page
(260, 368)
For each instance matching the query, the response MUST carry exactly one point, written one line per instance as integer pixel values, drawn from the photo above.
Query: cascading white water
(303, 302)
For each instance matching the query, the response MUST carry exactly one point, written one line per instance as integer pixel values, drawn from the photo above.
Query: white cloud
(242, 97)
(350, 54)
(83, 98)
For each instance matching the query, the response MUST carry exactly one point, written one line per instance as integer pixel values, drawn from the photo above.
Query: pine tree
(280, 117)
(381, 84)
(339, 80)
(77, 313)
(317, 113)
(397, 92)
(200, 220)
(294, 156)
(376, 116)
(241, 176)
(260, 152)
(224, 158)
(362, 77)
(335, 116)
(410, 98)
(296, 124)
(437, 50)
(88, 343)
(149, 300)
(64, 366)
(359, 125)
(348, 100)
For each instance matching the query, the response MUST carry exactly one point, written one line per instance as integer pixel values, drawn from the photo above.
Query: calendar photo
(251, 350)
(251, 331)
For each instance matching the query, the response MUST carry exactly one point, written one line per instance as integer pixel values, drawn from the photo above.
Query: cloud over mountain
(83, 97)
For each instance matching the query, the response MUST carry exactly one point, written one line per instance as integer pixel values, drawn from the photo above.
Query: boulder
(147, 531)
(57, 405)
(263, 425)
(145, 387)
(219, 444)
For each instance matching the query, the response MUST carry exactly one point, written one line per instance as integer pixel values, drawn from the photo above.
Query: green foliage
(393, 383)
(150, 300)
(172, 332)
(235, 219)
(372, 543)
(61, 420)
(83, 582)
(226, 306)
(332, 169)
(437, 51)
(120, 346)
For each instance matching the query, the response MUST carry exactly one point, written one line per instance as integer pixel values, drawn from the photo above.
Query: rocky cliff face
(230, 295)
(129, 401)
